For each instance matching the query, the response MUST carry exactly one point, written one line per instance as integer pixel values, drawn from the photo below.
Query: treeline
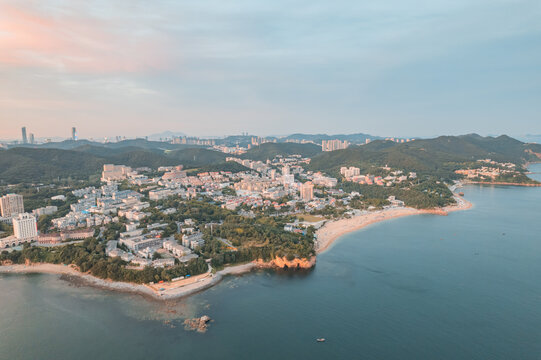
(90, 257)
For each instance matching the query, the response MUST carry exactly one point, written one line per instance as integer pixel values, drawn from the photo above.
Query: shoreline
(501, 183)
(69, 273)
(333, 230)
(326, 236)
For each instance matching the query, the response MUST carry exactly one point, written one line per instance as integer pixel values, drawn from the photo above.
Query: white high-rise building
(25, 227)
(11, 205)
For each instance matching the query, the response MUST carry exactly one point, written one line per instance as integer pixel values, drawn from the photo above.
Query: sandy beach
(332, 230)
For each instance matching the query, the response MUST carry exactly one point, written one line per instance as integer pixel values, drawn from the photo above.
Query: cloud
(71, 42)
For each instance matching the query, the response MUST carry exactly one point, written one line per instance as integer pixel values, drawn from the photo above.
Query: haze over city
(211, 68)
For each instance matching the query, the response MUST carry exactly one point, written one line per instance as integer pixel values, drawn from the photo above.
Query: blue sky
(211, 67)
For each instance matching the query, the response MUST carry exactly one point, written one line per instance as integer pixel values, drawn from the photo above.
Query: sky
(214, 67)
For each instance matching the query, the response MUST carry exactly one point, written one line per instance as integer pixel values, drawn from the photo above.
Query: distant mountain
(270, 150)
(165, 135)
(359, 138)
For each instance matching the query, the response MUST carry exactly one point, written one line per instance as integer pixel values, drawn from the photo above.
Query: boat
(320, 340)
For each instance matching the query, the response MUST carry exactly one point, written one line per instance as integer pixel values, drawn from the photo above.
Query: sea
(463, 286)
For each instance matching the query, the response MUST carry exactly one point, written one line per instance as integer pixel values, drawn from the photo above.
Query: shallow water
(463, 286)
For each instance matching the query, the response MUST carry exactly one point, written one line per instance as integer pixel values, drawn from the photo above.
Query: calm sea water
(465, 286)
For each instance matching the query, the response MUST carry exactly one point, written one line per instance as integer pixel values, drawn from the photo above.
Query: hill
(270, 150)
(192, 158)
(130, 143)
(439, 156)
(35, 165)
(23, 164)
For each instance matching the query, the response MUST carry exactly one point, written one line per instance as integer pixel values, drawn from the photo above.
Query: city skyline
(394, 69)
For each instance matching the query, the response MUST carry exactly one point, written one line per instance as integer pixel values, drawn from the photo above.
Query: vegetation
(32, 165)
(259, 238)
(438, 157)
(425, 195)
(90, 257)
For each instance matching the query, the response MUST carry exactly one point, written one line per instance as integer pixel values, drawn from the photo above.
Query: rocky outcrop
(197, 324)
(440, 212)
(284, 263)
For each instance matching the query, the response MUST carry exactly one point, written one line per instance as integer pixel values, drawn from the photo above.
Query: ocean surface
(463, 286)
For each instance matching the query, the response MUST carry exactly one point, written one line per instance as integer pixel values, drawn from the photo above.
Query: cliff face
(283, 263)
(440, 212)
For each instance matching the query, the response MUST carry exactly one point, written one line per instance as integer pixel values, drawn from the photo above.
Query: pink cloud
(75, 43)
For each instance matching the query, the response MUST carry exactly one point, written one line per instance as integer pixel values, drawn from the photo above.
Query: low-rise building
(176, 249)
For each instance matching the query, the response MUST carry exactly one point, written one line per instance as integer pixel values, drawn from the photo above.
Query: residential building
(350, 172)
(176, 249)
(193, 241)
(47, 210)
(25, 227)
(307, 191)
(11, 205)
(332, 145)
(114, 172)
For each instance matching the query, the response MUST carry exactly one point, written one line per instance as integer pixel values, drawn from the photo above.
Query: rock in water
(200, 324)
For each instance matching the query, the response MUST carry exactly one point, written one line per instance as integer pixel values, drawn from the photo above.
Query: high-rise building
(307, 191)
(31, 138)
(11, 205)
(73, 133)
(331, 145)
(350, 172)
(25, 227)
(23, 130)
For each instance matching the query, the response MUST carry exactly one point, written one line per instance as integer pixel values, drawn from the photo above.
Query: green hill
(439, 156)
(23, 164)
(192, 158)
(35, 165)
(131, 143)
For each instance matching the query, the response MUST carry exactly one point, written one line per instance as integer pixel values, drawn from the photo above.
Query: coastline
(501, 183)
(333, 230)
(179, 290)
(326, 236)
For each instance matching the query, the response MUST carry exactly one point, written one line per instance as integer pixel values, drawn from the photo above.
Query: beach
(332, 230)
